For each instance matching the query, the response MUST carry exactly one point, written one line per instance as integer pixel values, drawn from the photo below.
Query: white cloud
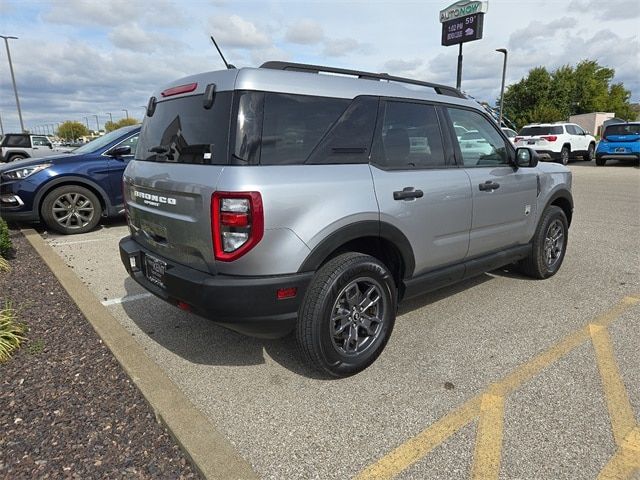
(340, 47)
(133, 37)
(305, 32)
(608, 10)
(402, 67)
(234, 31)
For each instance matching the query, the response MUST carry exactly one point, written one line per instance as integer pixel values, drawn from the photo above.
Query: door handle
(488, 186)
(407, 193)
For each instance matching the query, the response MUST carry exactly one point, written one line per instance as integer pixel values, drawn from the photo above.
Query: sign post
(462, 22)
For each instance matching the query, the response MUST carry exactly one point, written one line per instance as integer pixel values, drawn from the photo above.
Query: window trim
(511, 150)
(377, 136)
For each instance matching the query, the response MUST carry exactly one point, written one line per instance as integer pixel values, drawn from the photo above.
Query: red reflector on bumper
(184, 306)
(286, 293)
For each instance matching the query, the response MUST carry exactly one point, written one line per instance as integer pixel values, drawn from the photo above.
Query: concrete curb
(210, 451)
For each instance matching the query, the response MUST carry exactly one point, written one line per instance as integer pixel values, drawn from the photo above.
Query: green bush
(5, 241)
(11, 332)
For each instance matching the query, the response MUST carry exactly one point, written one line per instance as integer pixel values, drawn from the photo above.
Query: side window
(349, 140)
(481, 144)
(294, 124)
(39, 141)
(410, 137)
(571, 130)
(130, 142)
(578, 130)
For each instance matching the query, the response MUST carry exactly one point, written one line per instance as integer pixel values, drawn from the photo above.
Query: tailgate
(169, 210)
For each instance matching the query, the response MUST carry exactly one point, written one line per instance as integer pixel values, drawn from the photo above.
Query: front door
(40, 147)
(418, 186)
(116, 169)
(504, 197)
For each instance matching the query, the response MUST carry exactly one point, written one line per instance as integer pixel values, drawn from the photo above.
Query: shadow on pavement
(201, 341)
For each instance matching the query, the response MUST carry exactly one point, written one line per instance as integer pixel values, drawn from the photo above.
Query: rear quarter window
(20, 141)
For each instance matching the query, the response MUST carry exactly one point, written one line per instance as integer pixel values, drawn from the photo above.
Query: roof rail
(303, 67)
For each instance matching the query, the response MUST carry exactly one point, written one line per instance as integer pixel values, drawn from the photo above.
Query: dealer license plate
(621, 150)
(154, 270)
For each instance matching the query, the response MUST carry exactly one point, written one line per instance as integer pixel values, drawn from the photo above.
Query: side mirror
(526, 157)
(119, 151)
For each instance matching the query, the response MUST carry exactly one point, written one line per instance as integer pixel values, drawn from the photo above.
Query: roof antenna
(228, 65)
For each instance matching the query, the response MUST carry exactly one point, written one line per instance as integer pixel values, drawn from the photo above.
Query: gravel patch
(67, 409)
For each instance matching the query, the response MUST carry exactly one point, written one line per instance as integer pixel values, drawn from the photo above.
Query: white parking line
(128, 298)
(55, 243)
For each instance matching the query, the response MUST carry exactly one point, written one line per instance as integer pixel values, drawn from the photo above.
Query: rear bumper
(618, 156)
(248, 305)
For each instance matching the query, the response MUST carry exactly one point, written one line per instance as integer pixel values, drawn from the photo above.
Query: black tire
(591, 153)
(16, 157)
(565, 153)
(600, 161)
(537, 265)
(83, 209)
(321, 339)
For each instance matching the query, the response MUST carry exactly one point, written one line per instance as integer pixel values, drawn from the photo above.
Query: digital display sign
(463, 29)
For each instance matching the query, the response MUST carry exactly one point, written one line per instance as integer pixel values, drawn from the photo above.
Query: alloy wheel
(73, 210)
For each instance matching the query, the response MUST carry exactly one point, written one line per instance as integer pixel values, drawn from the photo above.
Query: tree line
(544, 96)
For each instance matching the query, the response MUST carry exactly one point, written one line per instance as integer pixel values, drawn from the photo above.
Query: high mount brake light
(237, 223)
(189, 87)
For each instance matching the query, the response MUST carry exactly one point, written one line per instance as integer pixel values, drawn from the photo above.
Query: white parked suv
(560, 141)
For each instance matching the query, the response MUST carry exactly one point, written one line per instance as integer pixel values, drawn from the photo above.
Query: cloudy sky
(78, 58)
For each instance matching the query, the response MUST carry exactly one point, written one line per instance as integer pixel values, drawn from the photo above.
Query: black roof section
(303, 67)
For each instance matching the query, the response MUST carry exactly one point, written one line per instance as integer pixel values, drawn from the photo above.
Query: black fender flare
(14, 153)
(564, 194)
(71, 179)
(354, 231)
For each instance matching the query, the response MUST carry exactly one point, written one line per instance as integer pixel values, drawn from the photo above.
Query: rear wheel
(549, 245)
(15, 157)
(600, 161)
(564, 155)
(71, 209)
(347, 314)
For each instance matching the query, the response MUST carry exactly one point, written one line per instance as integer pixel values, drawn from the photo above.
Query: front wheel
(347, 315)
(71, 209)
(600, 161)
(549, 245)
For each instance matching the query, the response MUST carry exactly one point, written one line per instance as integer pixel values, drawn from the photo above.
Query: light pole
(13, 77)
(126, 112)
(97, 123)
(110, 116)
(1, 127)
(86, 119)
(504, 72)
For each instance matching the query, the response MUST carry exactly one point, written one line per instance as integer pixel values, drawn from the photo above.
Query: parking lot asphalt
(500, 376)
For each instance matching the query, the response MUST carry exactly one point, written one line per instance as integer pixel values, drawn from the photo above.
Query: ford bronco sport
(281, 198)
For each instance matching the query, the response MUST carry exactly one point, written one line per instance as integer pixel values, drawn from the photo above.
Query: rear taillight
(517, 139)
(550, 138)
(237, 223)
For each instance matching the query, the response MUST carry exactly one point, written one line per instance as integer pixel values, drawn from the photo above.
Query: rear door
(504, 197)
(419, 188)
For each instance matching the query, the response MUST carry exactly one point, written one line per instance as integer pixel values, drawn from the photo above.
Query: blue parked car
(69, 192)
(620, 141)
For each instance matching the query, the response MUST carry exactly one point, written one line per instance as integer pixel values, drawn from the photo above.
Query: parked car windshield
(542, 130)
(623, 129)
(103, 141)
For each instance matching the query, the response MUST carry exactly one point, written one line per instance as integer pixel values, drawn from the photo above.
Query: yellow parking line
(621, 466)
(488, 450)
(416, 448)
(620, 411)
(489, 439)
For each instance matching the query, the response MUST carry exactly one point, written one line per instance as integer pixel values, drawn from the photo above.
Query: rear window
(21, 141)
(542, 130)
(183, 131)
(622, 129)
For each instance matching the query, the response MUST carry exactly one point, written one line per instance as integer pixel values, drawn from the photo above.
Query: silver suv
(17, 146)
(281, 198)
